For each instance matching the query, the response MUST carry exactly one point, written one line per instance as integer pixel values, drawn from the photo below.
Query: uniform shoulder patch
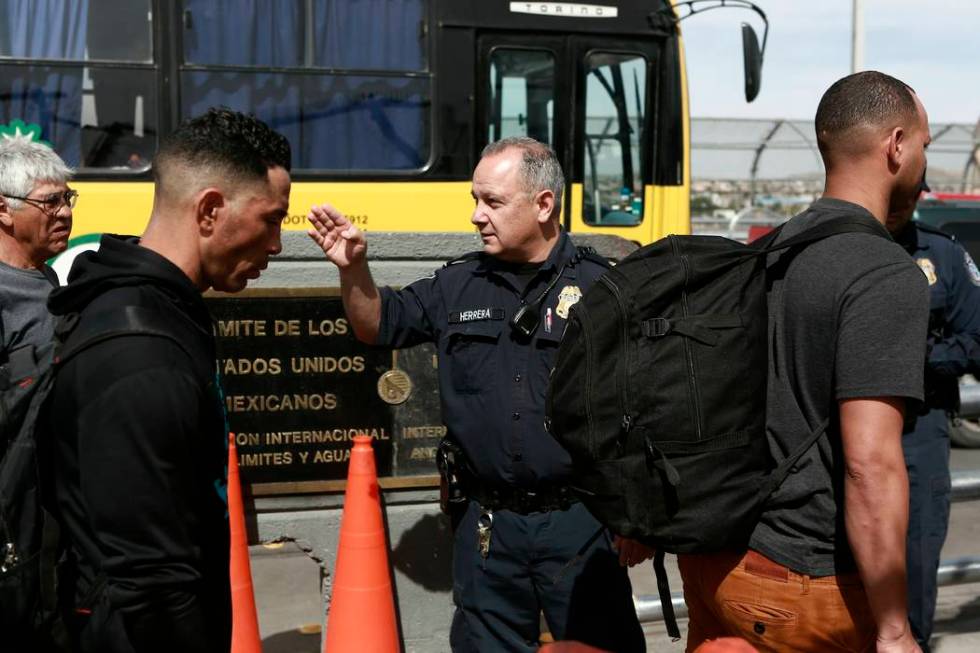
(971, 268)
(928, 269)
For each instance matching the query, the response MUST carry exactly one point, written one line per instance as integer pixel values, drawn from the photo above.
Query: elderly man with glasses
(35, 223)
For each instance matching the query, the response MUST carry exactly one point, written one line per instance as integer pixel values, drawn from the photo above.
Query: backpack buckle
(656, 327)
(10, 558)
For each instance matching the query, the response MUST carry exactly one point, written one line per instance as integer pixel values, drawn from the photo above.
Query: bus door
(611, 180)
(523, 89)
(592, 98)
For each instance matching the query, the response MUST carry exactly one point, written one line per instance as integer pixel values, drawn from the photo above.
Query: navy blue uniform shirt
(954, 310)
(492, 380)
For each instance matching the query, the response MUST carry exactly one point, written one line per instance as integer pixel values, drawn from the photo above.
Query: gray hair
(24, 164)
(539, 169)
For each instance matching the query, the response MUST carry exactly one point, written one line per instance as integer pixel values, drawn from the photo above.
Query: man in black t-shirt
(825, 569)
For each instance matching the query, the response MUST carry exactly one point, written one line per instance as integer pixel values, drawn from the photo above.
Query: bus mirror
(752, 60)
(752, 54)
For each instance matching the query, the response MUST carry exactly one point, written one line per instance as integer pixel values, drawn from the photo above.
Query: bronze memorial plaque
(298, 387)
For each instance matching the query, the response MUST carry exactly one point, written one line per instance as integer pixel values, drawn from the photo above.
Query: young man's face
(507, 217)
(247, 233)
(42, 225)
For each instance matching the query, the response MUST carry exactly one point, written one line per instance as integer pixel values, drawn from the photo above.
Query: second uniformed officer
(954, 350)
(522, 544)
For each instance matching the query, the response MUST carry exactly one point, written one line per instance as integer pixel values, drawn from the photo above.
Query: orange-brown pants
(748, 595)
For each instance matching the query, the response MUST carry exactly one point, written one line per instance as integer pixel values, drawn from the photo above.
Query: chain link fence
(753, 173)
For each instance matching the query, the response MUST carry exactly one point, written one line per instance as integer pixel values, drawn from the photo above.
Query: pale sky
(932, 45)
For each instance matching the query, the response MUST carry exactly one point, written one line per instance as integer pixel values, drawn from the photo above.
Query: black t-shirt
(524, 272)
(847, 319)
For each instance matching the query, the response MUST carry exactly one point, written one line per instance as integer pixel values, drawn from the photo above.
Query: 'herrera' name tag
(476, 315)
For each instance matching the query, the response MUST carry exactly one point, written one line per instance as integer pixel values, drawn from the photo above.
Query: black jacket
(140, 461)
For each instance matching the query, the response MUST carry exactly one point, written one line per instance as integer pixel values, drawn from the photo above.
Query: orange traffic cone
(244, 618)
(362, 608)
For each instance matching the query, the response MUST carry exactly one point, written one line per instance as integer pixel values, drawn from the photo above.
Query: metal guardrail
(649, 608)
(966, 485)
(970, 400)
(957, 571)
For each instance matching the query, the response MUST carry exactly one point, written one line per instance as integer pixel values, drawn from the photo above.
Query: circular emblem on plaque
(394, 387)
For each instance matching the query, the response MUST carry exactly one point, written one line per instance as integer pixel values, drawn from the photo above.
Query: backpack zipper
(627, 423)
(685, 311)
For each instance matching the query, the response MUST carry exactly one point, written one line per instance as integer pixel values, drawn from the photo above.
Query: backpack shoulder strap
(77, 336)
(778, 475)
(842, 225)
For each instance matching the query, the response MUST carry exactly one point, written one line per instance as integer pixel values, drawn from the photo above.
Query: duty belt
(522, 501)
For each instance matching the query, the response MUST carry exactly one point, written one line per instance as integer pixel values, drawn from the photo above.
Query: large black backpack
(659, 391)
(30, 546)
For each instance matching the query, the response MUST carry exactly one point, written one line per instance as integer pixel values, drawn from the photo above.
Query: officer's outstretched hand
(632, 552)
(342, 242)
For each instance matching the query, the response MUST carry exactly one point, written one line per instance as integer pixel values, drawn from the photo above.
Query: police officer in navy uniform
(522, 544)
(954, 350)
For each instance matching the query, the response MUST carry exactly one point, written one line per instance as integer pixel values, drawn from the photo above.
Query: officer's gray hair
(24, 164)
(539, 169)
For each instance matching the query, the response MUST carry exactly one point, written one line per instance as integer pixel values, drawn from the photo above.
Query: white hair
(24, 164)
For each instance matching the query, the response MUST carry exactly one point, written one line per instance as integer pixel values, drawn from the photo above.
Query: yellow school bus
(386, 103)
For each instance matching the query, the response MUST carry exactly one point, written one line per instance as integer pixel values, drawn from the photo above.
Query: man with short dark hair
(523, 545)
(825, 569)
(35, 223)
(140, 432)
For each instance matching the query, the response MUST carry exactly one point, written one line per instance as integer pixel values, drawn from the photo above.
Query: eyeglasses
(52, 203)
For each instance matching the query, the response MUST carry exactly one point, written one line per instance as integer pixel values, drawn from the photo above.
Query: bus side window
(522, 94)
(615, 97)
(88, 86)
(347, 83)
